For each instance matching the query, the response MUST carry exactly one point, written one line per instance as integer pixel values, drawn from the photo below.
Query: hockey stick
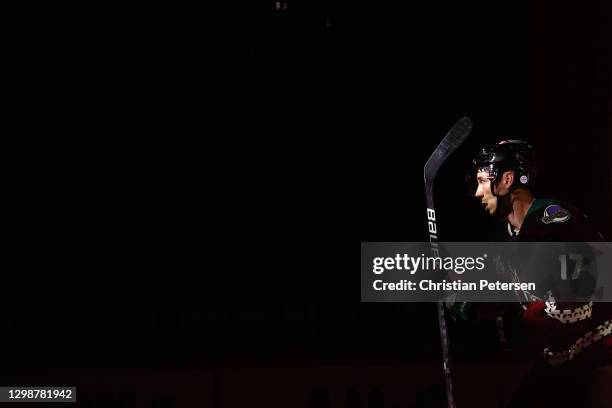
(453, 139)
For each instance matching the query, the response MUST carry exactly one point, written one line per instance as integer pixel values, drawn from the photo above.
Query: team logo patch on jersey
(555, 213)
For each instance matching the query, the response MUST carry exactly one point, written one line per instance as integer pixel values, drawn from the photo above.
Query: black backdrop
(193, 185)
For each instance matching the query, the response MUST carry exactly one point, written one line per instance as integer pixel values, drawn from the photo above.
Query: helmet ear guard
(525, 177)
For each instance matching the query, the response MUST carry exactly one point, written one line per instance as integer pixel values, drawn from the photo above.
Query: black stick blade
(453, 139)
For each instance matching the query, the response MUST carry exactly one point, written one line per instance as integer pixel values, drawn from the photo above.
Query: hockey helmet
(507, 155)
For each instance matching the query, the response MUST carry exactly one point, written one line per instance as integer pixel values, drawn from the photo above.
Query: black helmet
(507, 155)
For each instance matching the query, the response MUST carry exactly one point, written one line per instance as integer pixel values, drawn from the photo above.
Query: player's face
(484, 193)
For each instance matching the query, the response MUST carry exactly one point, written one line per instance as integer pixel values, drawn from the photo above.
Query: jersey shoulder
(554, 220)
(549, 211)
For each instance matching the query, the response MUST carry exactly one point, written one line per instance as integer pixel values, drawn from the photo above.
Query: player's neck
(521, 202)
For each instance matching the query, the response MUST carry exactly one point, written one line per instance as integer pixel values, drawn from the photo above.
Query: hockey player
(575, 368)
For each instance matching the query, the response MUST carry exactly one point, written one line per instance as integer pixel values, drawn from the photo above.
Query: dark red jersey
(566, 331)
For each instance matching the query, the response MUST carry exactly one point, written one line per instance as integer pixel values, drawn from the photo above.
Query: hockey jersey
(566, 331)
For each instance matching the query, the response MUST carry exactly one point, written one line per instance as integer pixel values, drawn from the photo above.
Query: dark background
(190, 187)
